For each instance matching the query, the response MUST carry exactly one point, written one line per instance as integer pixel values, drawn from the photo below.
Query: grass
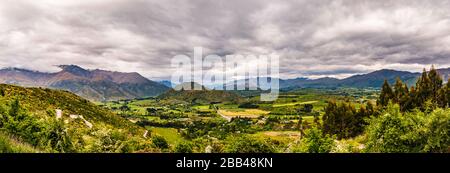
(144, 103)
(9, 144)
(201, 107)
(170, 134)
(308, 119)
(294, 103)
(281, 137)
(248, 113)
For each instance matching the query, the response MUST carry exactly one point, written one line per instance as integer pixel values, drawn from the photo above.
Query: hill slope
(9, 144)
(204, 96)
(376, 78)
(96, 85)
(30, 114)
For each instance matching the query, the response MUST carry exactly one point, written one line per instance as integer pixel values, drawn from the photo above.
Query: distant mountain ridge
(98, 85)
(370, 80)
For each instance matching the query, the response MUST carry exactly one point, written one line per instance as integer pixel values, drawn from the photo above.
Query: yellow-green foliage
(40, 100)
(397, 132)
(9, 144)
(29, 113)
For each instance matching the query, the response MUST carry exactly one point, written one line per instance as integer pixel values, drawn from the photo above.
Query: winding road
(223, 116)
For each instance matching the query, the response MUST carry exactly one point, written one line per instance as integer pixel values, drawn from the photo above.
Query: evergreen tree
(435, 84)
(423, 90)
(342, 120)
(411, 99)
(399, 90)
(444, 96)
(15, 108)
(330, 117)
(448, 92)
(386, 94)
(370, 108)
(358, 124)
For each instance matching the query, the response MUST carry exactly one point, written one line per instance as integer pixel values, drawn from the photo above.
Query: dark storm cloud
(313, 38)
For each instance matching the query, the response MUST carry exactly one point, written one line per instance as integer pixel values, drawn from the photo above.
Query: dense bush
(47, 135)
(315, 141)
(395, 132)
(160, 142)
(10, 144)
(183, 147)
(344, 120)
(247, 144)
(248, 105)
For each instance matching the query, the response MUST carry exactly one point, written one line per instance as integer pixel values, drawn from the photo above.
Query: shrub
(248, 105)
(160, 142)
(395, 132)
(247, 144)
(183, 147)
(315, 141)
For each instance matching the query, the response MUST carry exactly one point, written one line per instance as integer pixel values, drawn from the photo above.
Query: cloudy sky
(313, 38)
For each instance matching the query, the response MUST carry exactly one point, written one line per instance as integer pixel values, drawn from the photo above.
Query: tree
(448, 93)
(370, 108)
(300, 120)
(395, 132)
(435, 84)
(124, 108)
(307, 108)
(15, 108)
(248, 105)
(401, 94)
(341, 120)
(423, 90)
(151, 111)
(411, 100)
(399, 90)
(385, 132)
(183, 147)
(247, 144)
(2, 91)
(442, 97)
(386, 94)
(57, 137)
(359, 119)
(160, 142)
(330, 118)
(315, 141)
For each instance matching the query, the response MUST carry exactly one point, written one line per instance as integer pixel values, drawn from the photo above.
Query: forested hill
(204, 96)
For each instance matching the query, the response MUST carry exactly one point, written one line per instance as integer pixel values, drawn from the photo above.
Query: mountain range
(370, 80)
(98, 85)
(101, 85)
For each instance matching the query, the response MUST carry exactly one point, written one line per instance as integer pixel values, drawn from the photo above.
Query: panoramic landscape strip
(224, 76)
(407, 113)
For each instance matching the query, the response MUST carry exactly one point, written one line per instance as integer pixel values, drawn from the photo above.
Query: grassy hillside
(30, 114)
(10, 144)
(39, 100)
